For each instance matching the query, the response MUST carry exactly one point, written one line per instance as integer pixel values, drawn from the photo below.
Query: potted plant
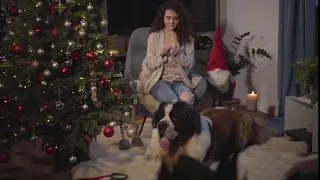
(306, 72)
(236, 61)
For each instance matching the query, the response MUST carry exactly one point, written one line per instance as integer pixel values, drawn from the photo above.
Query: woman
(170, 56)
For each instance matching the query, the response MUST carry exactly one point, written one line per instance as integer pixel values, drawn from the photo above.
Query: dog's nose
(162, 126)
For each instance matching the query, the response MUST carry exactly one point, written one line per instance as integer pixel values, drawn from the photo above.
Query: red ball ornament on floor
(90, 55)
(16, 48)
(51, 150)
(5, 157)
(108, 131)
(13, 11)
(104, 81)
(108, 64)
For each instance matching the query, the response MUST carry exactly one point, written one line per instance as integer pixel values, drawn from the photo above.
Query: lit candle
(252, 101)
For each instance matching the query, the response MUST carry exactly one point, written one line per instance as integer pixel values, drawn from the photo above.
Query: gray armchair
(137, 50)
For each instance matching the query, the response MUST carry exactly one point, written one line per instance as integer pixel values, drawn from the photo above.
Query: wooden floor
(32, 163)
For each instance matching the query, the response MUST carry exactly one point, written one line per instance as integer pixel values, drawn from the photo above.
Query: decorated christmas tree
(57, 80)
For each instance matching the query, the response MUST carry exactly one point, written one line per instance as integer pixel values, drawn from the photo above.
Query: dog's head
(176, 122)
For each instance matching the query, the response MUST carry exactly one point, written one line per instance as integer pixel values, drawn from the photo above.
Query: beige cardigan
(153, 64)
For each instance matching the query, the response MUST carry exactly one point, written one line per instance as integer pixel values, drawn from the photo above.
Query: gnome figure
(217, 69)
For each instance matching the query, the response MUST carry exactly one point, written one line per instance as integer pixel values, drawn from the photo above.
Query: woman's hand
(175, 51)
(165, 51)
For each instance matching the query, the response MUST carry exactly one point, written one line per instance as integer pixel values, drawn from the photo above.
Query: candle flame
(252, 92)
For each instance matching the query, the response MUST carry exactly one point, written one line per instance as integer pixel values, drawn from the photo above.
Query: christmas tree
(57, 82)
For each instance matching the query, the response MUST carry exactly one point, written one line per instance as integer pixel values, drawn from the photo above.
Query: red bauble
(54, 32)
(90, 55)
(117, 91)
(44, 107)
(5, 157)
(13, 11)
(51, 150)
(30, 126)
(65, 69)
(75, 55)
(16, 48)
(5, 101)
(104, 81)
(108, 64)
(108, 131)
(52, 9)
(20, 108)
(38, 30)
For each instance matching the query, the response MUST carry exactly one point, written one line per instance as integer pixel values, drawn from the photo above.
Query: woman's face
(170, 19)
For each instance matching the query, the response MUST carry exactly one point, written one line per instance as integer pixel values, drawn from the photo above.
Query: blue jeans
(165, 91)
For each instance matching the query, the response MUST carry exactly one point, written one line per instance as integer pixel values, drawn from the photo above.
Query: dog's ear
(158, 115)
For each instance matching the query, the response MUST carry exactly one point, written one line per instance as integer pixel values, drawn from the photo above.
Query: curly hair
(183, 28)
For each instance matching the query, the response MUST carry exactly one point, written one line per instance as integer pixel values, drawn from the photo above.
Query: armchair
(137, 50)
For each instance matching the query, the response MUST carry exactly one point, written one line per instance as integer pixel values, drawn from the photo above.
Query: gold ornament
(131, 132)
(60, 8)
(54, 65)
(99, 46)
(40, 51)
(39, 4)
(113, 124)
(35, 64)
(71, 44)
(46, 73)
(82, 33)
(103, 22)
(89, 7)
(67, 23)
(30, 33)
(84, 23)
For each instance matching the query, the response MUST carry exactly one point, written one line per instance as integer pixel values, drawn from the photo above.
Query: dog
(179, 129)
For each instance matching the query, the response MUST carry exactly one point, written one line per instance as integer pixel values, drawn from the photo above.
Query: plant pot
(228, 96)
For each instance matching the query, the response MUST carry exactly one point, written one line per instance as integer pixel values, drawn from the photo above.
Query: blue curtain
(296, 40)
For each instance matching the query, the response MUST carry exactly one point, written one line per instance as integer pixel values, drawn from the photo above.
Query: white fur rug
(264, 162)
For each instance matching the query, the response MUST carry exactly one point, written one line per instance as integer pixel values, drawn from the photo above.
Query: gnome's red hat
(219, 76)
(217, 58)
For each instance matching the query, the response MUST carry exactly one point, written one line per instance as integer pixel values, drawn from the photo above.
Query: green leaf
(245, 34)
(237, 38)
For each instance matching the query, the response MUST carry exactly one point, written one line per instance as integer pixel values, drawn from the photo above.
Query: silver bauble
(127, 114)
(39, 4)
(46, 73)
(124, 126)
(89, 7)
(43, 83)
(82, 33)
(135, 101)
(68, 127)
(99, 46)
(59, 105)
(84, 23)
(103, 22)
(67, 23)
(38, 19)
(30, 33)
(73, 159)
(54, 65)
(131, 132)
(40, 52)
(85, 107)
(71, 44)
(11, 33)
(47, 22)
(93, 88)
(8, 21)
(35, 64)
(81, 90)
